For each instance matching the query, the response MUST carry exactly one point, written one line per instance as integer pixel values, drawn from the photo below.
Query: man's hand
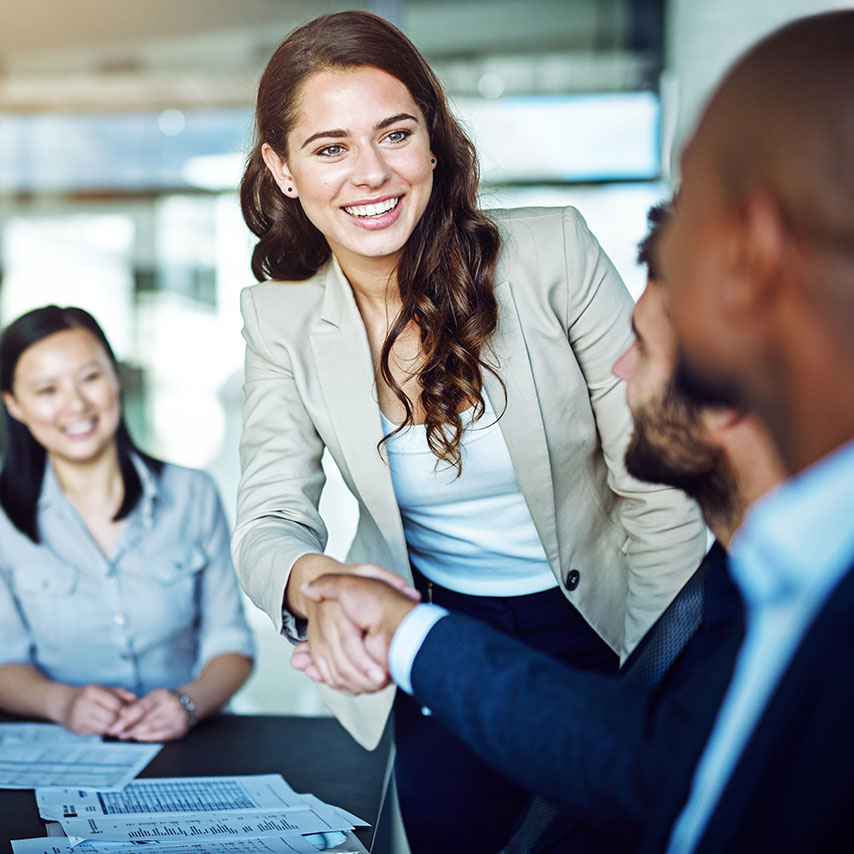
(158, 716)
(374, 607)
(93, 709)
(338, 654)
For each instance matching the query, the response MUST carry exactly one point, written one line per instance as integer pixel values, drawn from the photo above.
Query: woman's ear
(12, 407)
(279, 170)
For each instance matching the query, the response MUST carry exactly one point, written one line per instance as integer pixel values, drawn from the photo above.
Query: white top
(473, 533)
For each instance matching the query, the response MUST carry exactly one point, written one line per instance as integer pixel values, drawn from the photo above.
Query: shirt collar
(150, 490)
(800, 537)
(51, 490)
(52, 494)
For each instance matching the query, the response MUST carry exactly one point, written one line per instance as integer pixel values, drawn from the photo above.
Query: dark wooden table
(314, 755)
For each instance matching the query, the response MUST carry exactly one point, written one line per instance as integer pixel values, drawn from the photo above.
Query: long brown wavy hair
(445, 275)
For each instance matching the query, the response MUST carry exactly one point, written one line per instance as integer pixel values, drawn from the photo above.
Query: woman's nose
(370, 168)
(76, 400)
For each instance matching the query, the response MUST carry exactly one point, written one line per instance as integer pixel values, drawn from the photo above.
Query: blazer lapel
(346, 378)
(522, 423)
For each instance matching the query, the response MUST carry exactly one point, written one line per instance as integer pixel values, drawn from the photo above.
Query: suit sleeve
(665, 534)
(604, 751)
(281, 476)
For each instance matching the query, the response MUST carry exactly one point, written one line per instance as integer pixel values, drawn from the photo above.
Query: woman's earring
(433, 160)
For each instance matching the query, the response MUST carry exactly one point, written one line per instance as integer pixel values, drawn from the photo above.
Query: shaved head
(759, 256)
(783, 120)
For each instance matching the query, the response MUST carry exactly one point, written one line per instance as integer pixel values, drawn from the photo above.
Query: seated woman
(119, 609)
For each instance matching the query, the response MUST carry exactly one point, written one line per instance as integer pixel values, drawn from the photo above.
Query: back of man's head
(783, 122)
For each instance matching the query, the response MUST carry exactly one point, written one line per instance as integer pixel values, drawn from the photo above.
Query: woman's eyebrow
(338, 133)
(332, 134)
(393, 120)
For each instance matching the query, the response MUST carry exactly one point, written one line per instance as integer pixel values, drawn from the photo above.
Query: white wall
(705, 36)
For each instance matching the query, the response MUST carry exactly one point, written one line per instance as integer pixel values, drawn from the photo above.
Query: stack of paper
(34, 755)
(188, 815)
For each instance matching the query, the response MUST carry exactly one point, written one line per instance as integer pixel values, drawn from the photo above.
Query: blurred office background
(123, 126)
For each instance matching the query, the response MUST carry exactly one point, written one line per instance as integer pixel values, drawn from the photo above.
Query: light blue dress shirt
(150, 615)
(792, 551)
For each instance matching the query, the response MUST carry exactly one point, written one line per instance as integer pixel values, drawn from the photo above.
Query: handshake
(352, 618)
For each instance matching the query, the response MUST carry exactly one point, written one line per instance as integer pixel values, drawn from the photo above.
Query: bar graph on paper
(195, 826)
(174, 796)
(178, 797)
(267, 845)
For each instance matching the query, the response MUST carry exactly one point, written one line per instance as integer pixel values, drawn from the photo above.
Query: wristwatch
(189, 708)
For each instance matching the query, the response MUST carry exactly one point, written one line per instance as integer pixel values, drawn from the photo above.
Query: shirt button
(119, 619)
(572, 579)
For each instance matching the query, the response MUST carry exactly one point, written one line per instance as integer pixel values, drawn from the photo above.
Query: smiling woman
(119, 611)
(367, 190)
(457, 368)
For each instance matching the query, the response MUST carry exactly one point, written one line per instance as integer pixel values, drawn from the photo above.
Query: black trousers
(449, 799)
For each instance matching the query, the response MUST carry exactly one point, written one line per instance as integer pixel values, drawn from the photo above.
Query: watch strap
(189, 707)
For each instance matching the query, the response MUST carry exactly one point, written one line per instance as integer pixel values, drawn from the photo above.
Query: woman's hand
(158, 716)
(338, 655)
(93, 709)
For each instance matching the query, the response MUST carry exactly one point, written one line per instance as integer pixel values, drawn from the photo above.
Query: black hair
(23, 465)
(656, 218)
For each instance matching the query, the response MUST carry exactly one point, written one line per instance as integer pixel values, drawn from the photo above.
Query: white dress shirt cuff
(407, 642)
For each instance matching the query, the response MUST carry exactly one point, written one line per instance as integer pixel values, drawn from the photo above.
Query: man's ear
(12, 406)
(760, 252)
(718, 421)
(279, 170)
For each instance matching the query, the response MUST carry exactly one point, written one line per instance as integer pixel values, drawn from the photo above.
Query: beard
(667, 447)
(697, 386)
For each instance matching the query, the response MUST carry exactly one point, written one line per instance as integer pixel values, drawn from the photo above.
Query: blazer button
(572, 579)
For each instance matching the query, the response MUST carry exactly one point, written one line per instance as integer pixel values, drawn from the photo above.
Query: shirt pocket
(45, 579)
(45, 591)
(183, 565)
(168, 603)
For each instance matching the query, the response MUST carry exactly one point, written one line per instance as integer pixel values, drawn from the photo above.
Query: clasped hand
(351, 621)
(100, 710)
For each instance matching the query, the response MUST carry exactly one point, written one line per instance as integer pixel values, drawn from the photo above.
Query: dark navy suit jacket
(611, 752)
(793, 788)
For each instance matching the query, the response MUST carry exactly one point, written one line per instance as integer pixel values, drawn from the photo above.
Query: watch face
(189, 707)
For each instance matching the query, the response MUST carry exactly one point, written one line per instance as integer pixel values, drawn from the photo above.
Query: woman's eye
(331, 150)
(92, 376)
(398, 136)
(45, 390)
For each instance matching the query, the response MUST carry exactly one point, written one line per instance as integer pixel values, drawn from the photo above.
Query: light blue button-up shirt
(150, 615)
(793, 550)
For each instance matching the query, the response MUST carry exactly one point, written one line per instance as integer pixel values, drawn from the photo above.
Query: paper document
(174, 795)
(44, 732)
(224, 825)
(269, 845)
(181, 809)
(29, 764)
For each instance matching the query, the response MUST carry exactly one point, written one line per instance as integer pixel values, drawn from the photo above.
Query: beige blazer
(564, 317)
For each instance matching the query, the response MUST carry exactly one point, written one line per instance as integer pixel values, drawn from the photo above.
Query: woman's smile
(80, 429)
(358, 160)
(67, 394)
(378, 214)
